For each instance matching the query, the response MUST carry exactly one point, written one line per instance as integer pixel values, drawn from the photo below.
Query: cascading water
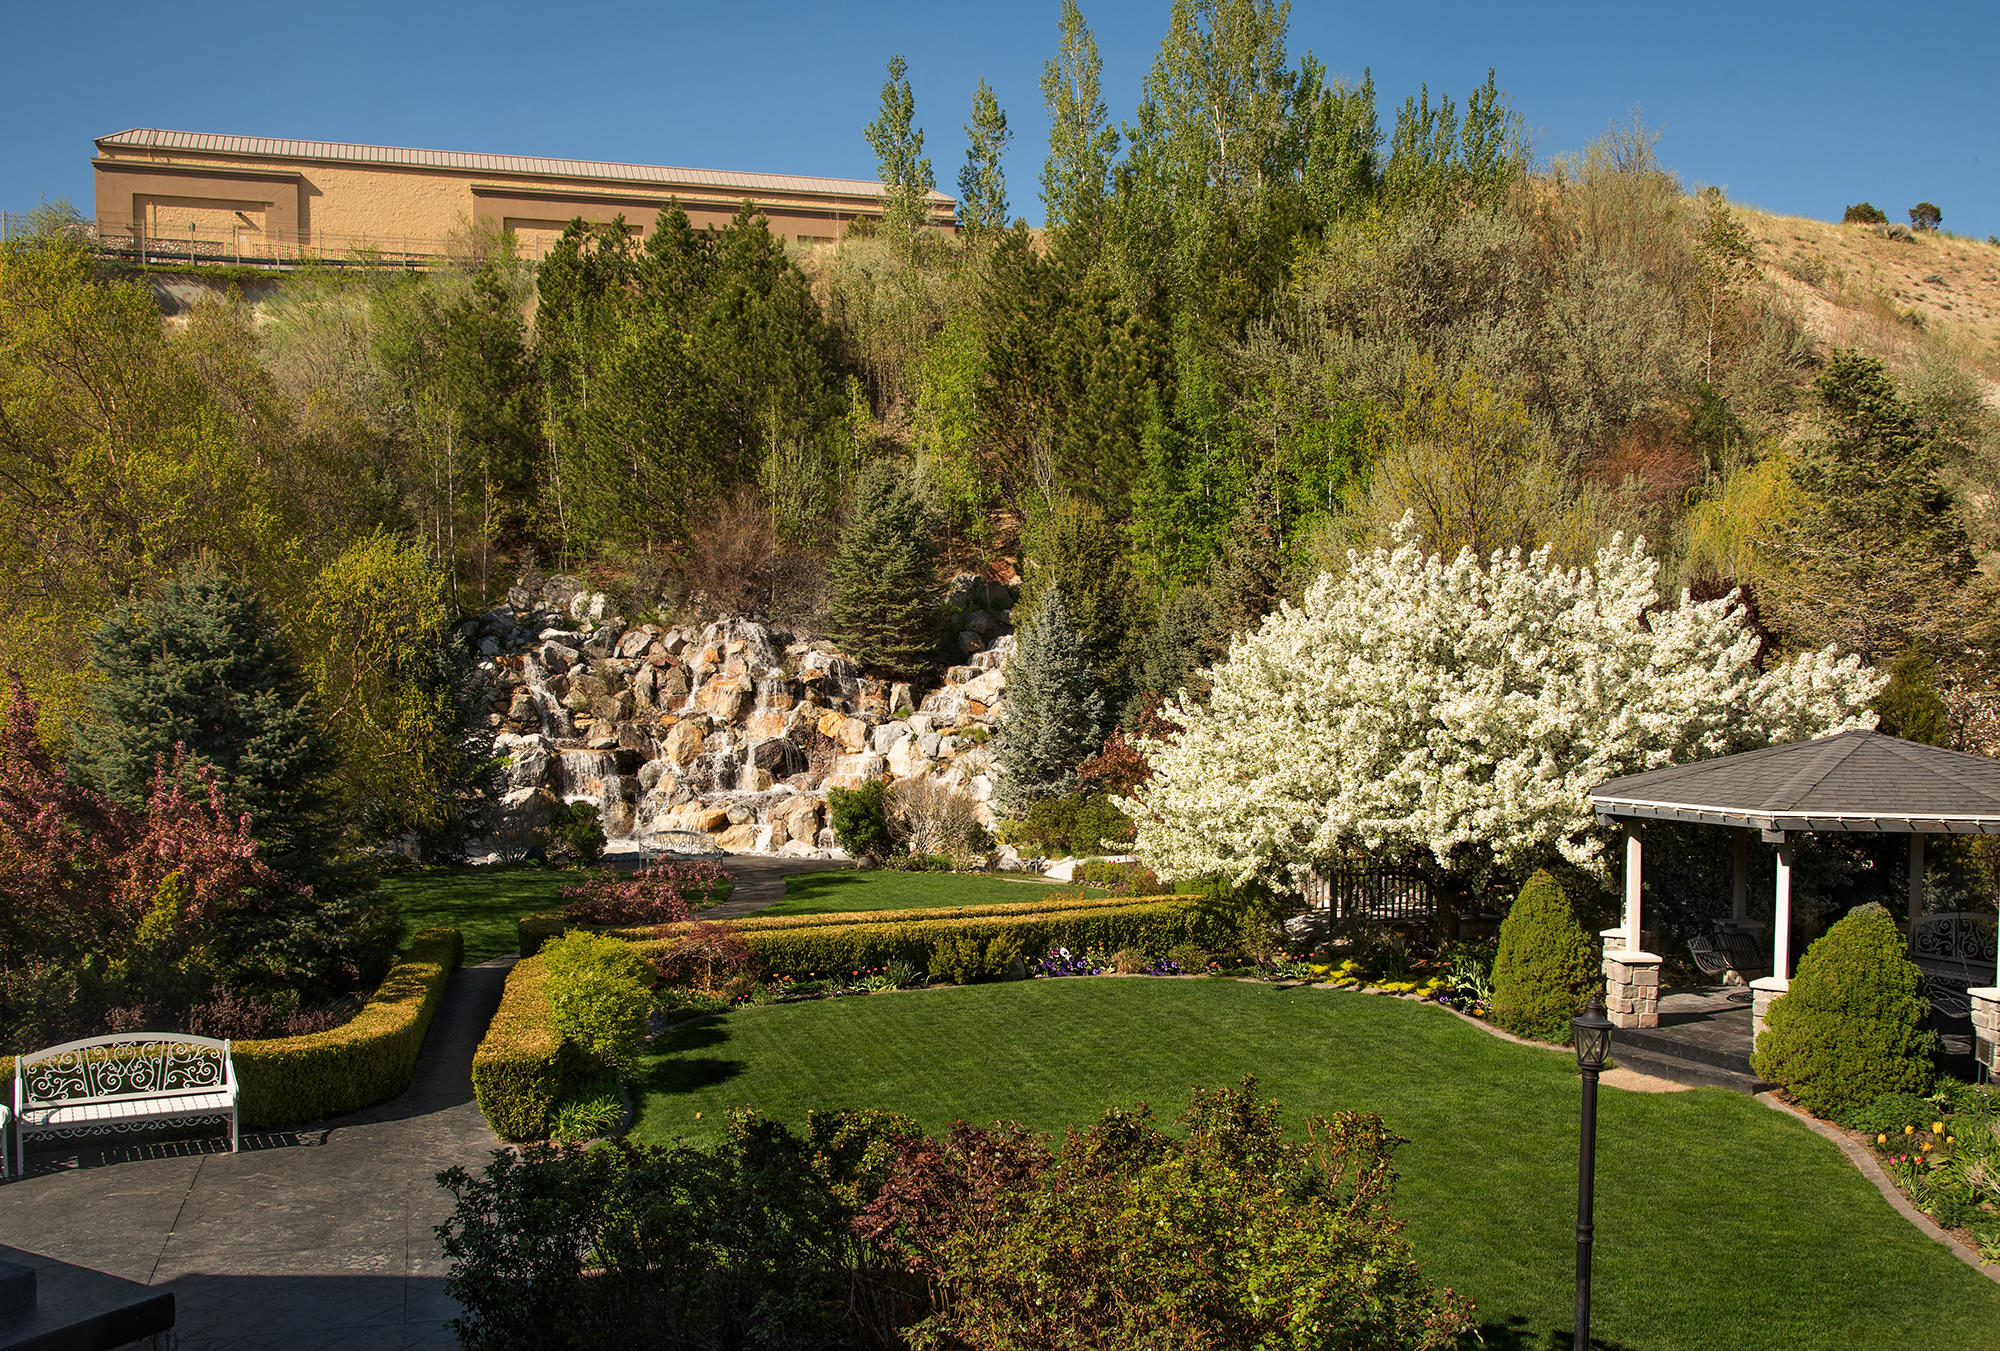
(556, 724)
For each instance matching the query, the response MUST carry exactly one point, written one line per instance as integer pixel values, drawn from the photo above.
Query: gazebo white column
(1631, 976)
(1767, 988)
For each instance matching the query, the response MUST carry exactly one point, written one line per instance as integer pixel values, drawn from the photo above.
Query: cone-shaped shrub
(1851, 1027)
(1547, 964)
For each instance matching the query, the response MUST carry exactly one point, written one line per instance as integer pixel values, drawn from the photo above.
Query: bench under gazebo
(1856, 782)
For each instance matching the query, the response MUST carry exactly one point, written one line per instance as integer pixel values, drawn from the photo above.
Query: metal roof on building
(267, 147)
(1853, 781)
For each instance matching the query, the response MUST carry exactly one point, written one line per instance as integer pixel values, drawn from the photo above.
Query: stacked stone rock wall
(733, 729)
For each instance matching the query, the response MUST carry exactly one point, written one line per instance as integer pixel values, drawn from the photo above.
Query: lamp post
(1592, 1032)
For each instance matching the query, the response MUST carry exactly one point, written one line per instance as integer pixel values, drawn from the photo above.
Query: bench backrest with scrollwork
(1959, 939)
(120, 1067)
(687, 842)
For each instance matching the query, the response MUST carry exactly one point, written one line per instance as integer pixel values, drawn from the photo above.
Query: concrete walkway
(314, 1240)
(761, 881)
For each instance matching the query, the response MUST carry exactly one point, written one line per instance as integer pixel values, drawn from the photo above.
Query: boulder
(650, 775)
(612, 708)
(906, 759)
(986, 686)
(777, 757)
(522, 707)
(888, 734)
(634, 643)
(901, 699)
(683, 742)
(671, 691)
(740, 839)
(852, 734)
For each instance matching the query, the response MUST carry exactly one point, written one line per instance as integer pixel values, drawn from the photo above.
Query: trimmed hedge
(1546, 965)
(524, 1068)
(537, 929)
(1151, 923)
(368, 1059)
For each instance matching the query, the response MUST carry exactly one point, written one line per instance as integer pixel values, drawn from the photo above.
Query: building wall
(224, 206)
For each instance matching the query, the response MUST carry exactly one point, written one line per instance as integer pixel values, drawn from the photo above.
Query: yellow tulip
(1909, 1130)
(1937, 1128)
(1881, 1139)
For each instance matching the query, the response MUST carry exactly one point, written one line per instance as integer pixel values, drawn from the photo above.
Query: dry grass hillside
(1887, 289)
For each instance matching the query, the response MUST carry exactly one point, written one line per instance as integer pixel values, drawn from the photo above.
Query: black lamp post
(1592, 1032)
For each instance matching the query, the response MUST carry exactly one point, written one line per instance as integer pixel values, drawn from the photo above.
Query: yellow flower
(1937, 1128)
(1951, 1139)
(1881, 1139)
(1909, 1130)
(1927, 1146)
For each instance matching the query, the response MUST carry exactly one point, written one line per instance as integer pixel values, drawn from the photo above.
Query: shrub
(1080, 823)
(1124, 879)
(873, 941)
(595, 1111)
(1546, 967)
(1851, 1026)
(524, 1066)
(1864, 213)
(532, 931)
(743, 1244)
(600, 992)
(1890, 1112)
(1925, 216)
(860, 819)
(574, 835)
(1233, 1236)
(929, 817)
(705, 956)
(369, 1059)
(963, 959)
(667, 892)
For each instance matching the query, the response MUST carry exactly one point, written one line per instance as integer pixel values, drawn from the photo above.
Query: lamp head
(1592, 1032)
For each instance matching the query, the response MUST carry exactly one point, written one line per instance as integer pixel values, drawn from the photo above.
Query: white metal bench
(1955, 951)
(121, 1083)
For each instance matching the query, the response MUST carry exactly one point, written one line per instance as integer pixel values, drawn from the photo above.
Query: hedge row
(536, 929)
(1154, 924)
(524, 1068)
(368, 1059)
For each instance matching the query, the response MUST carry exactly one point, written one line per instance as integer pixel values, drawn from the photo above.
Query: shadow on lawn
(1514, 1334)
(679, 1070)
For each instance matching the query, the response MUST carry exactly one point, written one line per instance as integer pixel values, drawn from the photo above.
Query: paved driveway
(317, 1240)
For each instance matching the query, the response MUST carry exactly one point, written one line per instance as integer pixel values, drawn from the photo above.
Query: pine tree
(1248, 579)
(1189, 637)
(898, 143)
(884, 577)
(1076, 548)
(1055, 711)
(982, 185)
(201, 666)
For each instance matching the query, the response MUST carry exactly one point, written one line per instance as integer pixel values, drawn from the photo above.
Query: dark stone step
(1661, 1041)
(1695, 1074)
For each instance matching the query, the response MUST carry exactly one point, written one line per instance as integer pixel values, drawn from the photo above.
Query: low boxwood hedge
(524, 1068)
(368, 1059)
(1152, 924)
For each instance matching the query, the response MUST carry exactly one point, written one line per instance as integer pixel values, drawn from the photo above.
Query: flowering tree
(1463, 709)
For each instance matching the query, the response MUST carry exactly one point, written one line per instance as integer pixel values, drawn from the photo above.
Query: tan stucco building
(221, 197)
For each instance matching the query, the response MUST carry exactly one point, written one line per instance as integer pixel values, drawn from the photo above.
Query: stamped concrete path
(310, 1240)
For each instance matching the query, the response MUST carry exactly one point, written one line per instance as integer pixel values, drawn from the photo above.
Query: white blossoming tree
(1463, 709)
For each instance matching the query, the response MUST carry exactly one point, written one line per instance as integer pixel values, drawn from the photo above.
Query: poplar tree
(884, 577)
(898, 143)
(1055, 712)
(1081, 143)
(982, 186)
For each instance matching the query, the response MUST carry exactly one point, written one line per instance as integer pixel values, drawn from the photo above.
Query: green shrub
(532, 931)
(1851, 1027)
(574, 835)
(810, 948)
(593, 1112)
(860, 819)
(600, 993)
(1547, 967)
(1080, 823)
(524, 1066)
(287, 1081)
(1890, 1112)
(1864, 213)
(963, 959)
(1124, 879)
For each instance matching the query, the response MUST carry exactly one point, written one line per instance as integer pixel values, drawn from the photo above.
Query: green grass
(821, 893)
(481, 903)
(1720, 1223)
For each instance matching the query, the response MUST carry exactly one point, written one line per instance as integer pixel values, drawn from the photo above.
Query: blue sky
(1794, 107)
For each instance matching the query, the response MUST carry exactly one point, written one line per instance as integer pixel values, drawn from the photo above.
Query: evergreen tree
(1055, 712)
(982, 185)
(1081, 141)
(898, 143)
(884, 577)
(1076, 549)
(1249, 577)
(1189, 637)
(200, 665)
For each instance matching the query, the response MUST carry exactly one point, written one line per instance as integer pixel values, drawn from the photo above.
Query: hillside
(1882, 289)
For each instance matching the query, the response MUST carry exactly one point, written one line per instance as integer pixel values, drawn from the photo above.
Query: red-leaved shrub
(667, 892)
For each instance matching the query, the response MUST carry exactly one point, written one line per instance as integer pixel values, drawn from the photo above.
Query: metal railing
(249, 246)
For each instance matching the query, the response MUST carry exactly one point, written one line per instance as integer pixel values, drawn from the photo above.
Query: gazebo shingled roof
(1853, 781)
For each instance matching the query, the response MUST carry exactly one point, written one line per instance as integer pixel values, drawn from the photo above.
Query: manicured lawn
(819, 893)
(481, 903)
(1720, 1223)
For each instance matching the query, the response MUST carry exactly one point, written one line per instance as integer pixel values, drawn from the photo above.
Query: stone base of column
(1762, 991)
(1632, 988)
(1985, 1002)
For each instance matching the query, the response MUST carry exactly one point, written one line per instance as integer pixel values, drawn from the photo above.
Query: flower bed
(1943, 1153)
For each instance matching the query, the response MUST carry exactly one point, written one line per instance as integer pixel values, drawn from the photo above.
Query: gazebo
(1853, 781)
